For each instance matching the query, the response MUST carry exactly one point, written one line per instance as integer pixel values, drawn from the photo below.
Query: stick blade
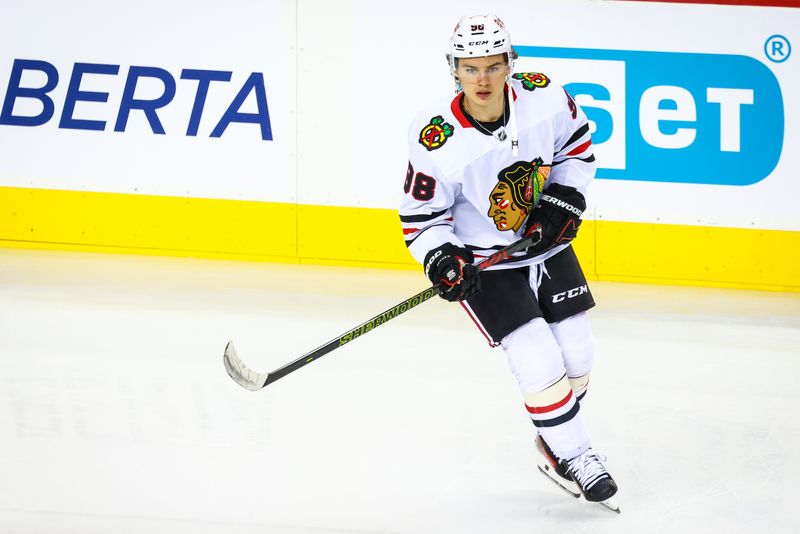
(239, 372)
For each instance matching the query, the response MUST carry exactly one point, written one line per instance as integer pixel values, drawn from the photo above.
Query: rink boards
(608, 250)
(288, 143)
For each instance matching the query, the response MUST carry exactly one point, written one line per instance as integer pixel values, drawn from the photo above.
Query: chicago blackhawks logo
(518, 188)
(532, 80)
(435, 134)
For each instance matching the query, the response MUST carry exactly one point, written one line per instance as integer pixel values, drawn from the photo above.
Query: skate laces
(588, 468)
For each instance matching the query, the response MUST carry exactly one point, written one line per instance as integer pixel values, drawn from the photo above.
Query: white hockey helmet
(479, 36)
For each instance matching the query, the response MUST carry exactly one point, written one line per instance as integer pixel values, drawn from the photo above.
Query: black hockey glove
(450, 269)
(557, 216)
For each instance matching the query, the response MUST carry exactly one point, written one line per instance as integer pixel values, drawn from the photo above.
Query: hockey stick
(252, 380)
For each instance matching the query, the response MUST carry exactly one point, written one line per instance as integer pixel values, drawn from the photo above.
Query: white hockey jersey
(465, 186)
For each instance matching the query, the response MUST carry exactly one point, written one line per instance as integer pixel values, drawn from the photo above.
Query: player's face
(483, 80)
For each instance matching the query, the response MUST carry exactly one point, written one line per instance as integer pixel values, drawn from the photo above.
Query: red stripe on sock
(545, 409)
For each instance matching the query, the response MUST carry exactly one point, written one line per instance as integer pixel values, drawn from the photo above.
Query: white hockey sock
(536, 362)
(556, 414)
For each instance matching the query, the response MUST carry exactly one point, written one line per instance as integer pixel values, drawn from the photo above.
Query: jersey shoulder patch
(532, 80)
(436, 133)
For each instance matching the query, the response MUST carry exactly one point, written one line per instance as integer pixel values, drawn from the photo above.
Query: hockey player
(509, 155)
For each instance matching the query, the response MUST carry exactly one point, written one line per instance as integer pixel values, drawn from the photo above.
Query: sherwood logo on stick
(388, 315)
(673, 117)
(40, 104)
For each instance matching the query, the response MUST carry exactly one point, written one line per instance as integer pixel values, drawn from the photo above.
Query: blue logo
(677, 117)
(201, 79)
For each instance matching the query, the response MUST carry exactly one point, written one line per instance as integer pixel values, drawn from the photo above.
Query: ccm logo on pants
(574, 292)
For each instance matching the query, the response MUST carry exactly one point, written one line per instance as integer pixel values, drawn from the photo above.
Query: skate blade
(557, 480)
(610, 504)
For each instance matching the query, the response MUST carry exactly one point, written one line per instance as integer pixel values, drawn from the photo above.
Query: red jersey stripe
(580, 148)
(456, 109)
(459, 115)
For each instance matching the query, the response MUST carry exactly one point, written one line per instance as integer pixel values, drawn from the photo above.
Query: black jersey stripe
(580, 132)
(488, 251)
(587, 160)
(421, 218)
(475, 247)
(409, 241)
(516, 258)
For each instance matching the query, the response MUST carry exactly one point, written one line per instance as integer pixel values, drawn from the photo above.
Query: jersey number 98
(420, 185)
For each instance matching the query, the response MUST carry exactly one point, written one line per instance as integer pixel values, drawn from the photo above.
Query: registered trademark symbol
(777, 48)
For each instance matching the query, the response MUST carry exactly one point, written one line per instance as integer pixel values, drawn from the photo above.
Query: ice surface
(116, 414)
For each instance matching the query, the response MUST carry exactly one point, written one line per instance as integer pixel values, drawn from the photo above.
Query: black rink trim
(558, 420)
(421, 218)
(587, 160)
(580, 132)
(475, 247)
(409, 241)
